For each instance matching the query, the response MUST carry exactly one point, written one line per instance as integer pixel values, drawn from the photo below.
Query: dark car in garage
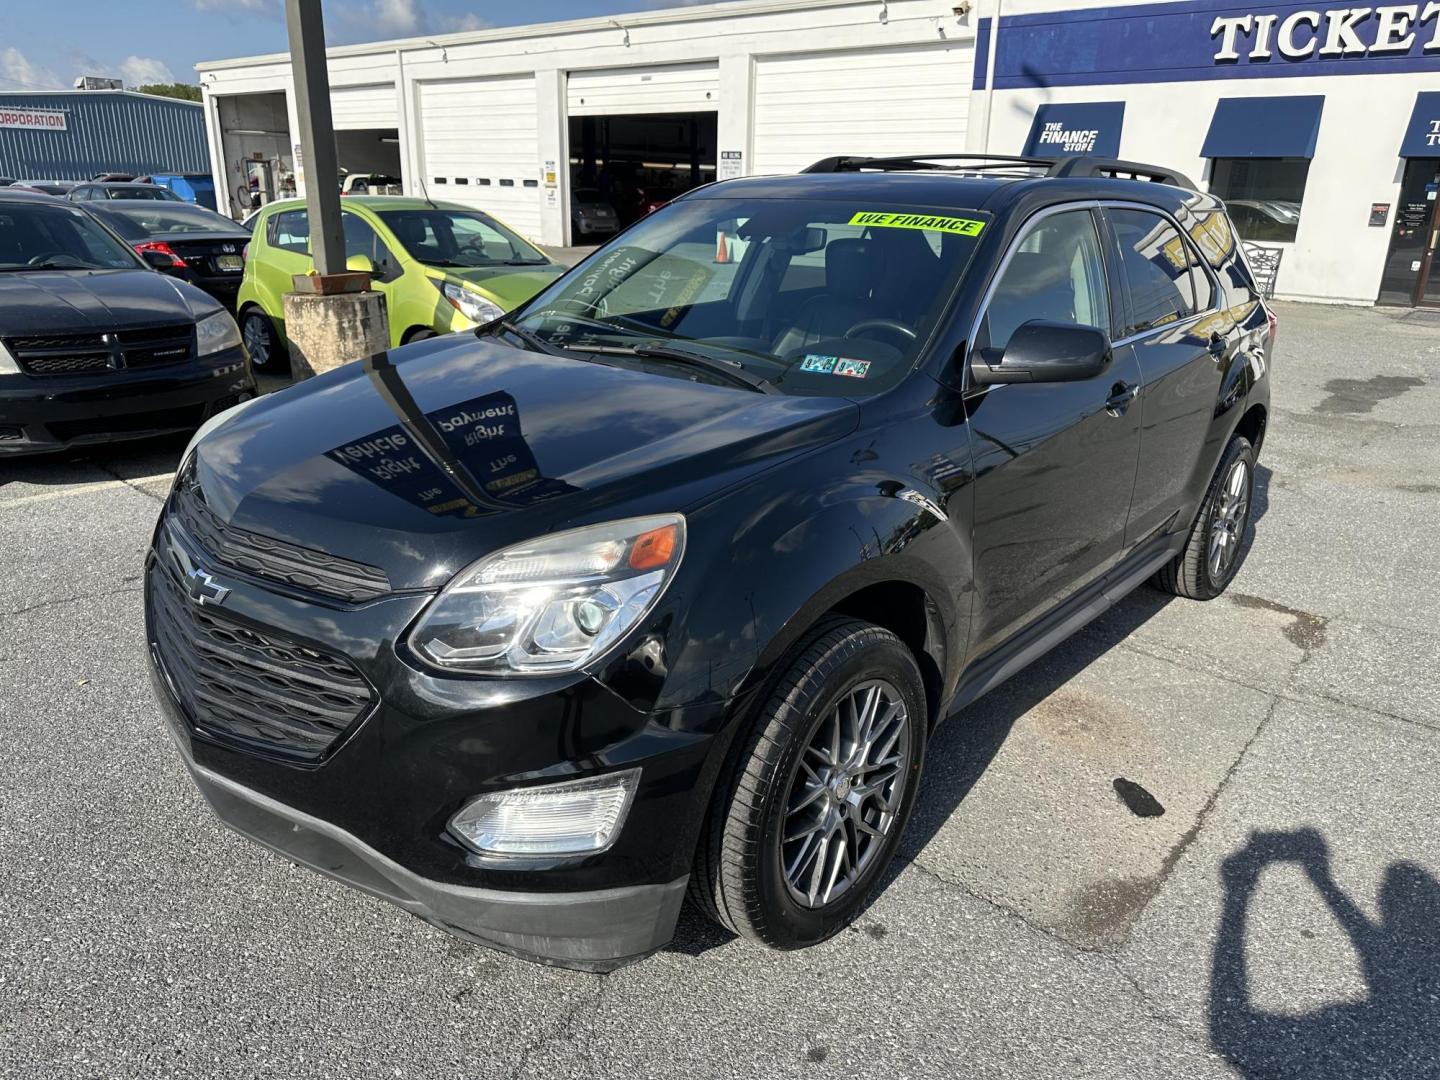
(95, 345)
(201, 246)
(662, 581)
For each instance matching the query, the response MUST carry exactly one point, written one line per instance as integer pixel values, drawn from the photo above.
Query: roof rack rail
(1049, 166)
(911, 162)
(1119, 169)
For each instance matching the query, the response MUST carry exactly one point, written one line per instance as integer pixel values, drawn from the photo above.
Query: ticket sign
(33, 119)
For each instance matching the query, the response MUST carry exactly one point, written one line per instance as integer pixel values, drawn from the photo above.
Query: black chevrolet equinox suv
(660, 583)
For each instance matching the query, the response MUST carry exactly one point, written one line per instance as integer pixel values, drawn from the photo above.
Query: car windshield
(35, 236)
(159, 219)
(459, 238)
(812, 297)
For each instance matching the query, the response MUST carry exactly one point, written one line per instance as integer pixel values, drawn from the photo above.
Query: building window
(1263, 195)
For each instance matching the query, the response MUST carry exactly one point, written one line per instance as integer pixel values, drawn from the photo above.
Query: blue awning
(1264, 127)
(1090, 127)
(1422, 137)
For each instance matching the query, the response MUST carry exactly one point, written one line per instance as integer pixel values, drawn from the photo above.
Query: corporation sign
(37, 119)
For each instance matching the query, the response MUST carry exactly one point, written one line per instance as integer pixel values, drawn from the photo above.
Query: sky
(45, 45)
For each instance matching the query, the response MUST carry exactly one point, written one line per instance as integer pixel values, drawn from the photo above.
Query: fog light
(577, 817)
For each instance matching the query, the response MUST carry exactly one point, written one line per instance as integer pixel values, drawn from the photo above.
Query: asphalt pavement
(1264, 901)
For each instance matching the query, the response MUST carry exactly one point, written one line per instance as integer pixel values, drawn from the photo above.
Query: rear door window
(1156, 264)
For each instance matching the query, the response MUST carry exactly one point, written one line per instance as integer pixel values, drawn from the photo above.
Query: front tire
(1216, 546)
(819, 792)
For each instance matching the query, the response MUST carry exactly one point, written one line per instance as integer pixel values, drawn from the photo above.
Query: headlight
(215, 333)
(7, 362)
(472, 305)
(553, 604)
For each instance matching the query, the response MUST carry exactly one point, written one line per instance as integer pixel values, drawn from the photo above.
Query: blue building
(72, 135)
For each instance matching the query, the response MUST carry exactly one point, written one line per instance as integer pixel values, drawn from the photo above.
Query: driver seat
(853, 271)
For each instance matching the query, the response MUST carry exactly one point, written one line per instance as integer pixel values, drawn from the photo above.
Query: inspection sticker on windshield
(835, 365)
(958, 226)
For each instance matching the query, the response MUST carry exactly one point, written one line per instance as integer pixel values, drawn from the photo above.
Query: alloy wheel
(256, 336)
(846, 791)
(1227, 528)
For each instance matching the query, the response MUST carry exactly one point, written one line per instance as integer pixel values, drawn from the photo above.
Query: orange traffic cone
(722, 249)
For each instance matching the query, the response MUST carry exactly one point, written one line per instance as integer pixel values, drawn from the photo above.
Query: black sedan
(201, 246)
(94, 344)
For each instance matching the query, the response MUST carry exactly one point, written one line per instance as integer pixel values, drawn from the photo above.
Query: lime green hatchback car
(441, 266)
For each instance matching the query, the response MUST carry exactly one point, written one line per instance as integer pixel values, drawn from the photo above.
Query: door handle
(1216, 347)
(1121, 395)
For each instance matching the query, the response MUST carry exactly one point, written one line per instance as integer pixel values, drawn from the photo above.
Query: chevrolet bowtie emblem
(203, 588)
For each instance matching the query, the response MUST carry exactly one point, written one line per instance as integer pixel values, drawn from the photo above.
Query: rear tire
(267, 352)
(1216, 545)
(815, 800)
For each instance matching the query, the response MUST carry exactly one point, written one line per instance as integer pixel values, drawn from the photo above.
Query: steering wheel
(47, 256)
(880, 324)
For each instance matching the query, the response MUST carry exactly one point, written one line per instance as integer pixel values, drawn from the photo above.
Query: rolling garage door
(668, 88)
(892, 101)
(480, 145)
(359, 108)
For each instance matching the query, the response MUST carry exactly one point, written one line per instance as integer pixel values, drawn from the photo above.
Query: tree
(183, 91)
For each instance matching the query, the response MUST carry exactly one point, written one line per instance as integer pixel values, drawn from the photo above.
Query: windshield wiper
(50, 265)
(535, 341)
(726, 369)
(526, 262)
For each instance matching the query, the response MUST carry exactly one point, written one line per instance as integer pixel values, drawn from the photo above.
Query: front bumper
(39, 414)
(595, 931)
(372, 810)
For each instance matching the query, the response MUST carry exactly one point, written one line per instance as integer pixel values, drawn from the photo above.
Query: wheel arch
(899, 603)
(1252, 425)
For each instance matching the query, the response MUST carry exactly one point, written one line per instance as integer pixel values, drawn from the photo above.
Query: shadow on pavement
(1394, 1032)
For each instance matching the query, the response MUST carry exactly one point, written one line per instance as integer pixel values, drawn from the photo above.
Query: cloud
(143, 70)
(18, 73)
(396, 18)
(233, 6)
(456, 23)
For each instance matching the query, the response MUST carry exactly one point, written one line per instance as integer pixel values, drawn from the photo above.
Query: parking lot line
(82, 489)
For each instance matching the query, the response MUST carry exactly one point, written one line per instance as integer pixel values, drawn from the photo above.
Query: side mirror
(1043, 351)
(159, 260)
(360, 264)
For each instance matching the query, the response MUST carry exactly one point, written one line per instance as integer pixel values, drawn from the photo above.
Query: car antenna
(429, 201)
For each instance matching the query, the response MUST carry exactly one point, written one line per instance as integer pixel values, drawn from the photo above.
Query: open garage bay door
(668, 88)
(480, 144)
(889, 101)
(357, 108)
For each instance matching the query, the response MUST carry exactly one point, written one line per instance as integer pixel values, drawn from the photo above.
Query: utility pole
(306, 25)
(333, 317)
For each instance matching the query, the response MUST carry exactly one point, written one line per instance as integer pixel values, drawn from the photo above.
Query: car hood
(424, 461)
(509, 286)
(56, 301)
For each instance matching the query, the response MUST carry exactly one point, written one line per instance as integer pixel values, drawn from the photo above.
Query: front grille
(68, 364)
(276, 560)
(247, 686)
(79, 354)
(157, 345)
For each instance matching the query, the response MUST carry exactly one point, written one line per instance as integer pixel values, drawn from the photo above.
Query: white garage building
(488, 117)
(1320, 126)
